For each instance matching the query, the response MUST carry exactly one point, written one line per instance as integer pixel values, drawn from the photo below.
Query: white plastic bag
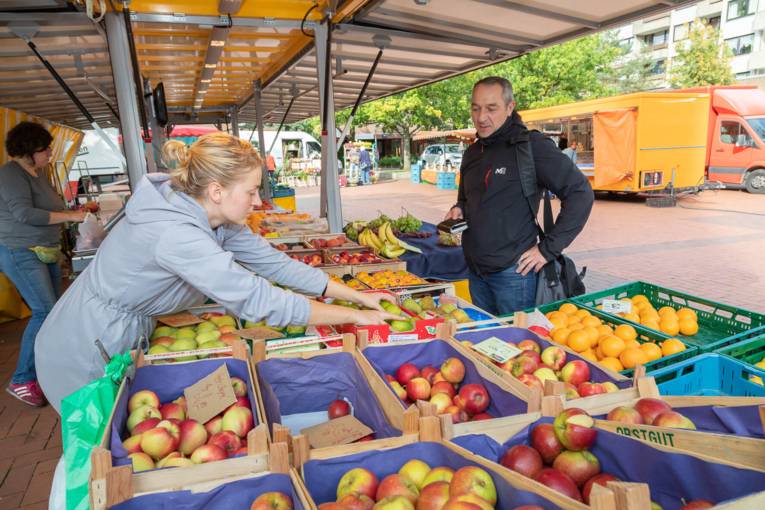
(91, 233)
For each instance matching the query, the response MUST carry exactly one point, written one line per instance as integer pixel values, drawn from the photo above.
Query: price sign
(615, 306)
(496, 349)
(344, 430)
(208, 397)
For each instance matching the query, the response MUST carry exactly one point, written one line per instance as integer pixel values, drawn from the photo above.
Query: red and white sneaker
(29, 393)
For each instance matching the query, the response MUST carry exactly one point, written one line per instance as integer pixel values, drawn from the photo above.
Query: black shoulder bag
(559, 278)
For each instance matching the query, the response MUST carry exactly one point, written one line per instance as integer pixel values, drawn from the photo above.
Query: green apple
(206, 326)
(186, 333)
(184, 344)
(212, 344)
(207, 336)
(159, 349)
(223, 320)
(163, 331)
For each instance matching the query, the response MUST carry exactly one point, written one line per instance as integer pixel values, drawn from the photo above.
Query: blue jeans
(505, 292)
(40, 285)
(365, 175)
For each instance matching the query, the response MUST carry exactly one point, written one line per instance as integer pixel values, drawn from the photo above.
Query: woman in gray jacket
(31, 214)
(183, 238)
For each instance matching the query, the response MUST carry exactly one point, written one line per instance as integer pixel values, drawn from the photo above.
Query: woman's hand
(372, 317)
(372, 299)
(77, 216)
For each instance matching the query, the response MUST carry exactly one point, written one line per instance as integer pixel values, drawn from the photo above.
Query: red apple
(697, 504)
(140, 414)
(473, 499)
(554, 357)
(356, 502)
(406, 373)
(544, 440)
(473, 480)
(357, 480)
(523, 459)
(458, 415)
(157, 442)
(439, 377)
(438, 474)
(144, 426)
(443, 387)
(570, 392)
(531, 381)
(172, 426)
(441, 401)
(394, 503)
(227, 441)
(580, 466)
(650, 408)
(141, 462)
(398, 389)
(193, 435)
(272, 501)
(523, 365)
(575, 372)
(416, 471)
(143, 398)
(625, 414)
(433, 496)
(418, 389)
(476, 398)
(429, 372)
(600, 479)
(214, 425)
(397, 485)
(208, 453)
(454, 504)
(609, 387)
(559, 482)
(529, 345)
(482, 416)
(673, 420)
(574, 429)
(453, 370)
(238, 420)
(545, 374)
(389, 378)
(240, 402)
(532, 354)
(132, 444)
(587, 389)
(338, 408)
(172, 410)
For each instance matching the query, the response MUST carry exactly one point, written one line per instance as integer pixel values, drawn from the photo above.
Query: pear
(163, 331)
(391, 308)
(446, 308)
(206, 326)
(401, 325)
(207, 336)
(295, 330)
(250, 324)
(159, 349)
(223, 320)
(186, 333)
(184, 344)
(460, 316)
(411, 305)
(428, 303)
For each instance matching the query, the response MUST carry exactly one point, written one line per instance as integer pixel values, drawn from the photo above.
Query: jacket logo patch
(500, 171)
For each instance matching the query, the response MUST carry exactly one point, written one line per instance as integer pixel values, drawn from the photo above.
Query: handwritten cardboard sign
(259, 332)
(615, 306)
(497, 349)
(344, 430)
(178, 320)
(211, 395)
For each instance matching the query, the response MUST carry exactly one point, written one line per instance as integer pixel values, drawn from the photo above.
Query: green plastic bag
(84, 415)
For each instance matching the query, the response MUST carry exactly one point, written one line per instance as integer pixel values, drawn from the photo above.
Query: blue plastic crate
(709, 375)
(446, 180)
(414, 173)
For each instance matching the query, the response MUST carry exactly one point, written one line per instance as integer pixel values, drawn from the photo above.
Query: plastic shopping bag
(91, 233)
(84, 415)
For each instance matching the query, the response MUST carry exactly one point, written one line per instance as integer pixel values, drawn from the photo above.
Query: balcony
(759, 21)
(651, 26)
(709, 9)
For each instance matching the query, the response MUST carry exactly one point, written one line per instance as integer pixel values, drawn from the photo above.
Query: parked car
(444, 154)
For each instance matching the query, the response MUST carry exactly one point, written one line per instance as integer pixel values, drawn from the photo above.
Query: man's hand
(531, 260)
(455, 213)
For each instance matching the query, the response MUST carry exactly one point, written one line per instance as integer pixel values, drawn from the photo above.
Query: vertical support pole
(152, 154)
(331, 206)
(122, 72)
(235, 121)
(265, 185)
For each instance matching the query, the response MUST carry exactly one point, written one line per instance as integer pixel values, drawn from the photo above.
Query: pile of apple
(362, 257)
(335, 242)
(162, 436)
(217, 330)
(650, 411)
(272, 501)
(534, 366)
(441, 387)
(416, 486)
(312, 259)
(559, 458)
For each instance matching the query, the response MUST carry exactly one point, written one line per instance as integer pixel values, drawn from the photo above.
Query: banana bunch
(369, 239)
(384, 242)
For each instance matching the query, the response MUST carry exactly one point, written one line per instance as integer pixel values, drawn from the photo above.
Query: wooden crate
(405, 420)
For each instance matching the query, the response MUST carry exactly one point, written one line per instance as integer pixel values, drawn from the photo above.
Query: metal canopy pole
(124, 86)
(331, 207)
(152, 156)
(266, 178)
(235, 121)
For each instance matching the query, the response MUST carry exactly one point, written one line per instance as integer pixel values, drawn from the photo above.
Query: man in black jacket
(502, 245)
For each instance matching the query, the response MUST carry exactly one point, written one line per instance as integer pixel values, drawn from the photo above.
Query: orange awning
(615, 139)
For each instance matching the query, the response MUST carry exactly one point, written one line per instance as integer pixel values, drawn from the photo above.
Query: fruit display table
(436, 261)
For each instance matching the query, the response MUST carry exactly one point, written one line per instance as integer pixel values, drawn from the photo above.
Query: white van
(293, 144)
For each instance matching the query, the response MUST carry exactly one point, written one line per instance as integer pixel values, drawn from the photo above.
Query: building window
(659, 67)
(741, 8)
(745, 74)
(713, 22)
(741, 45)
(657, 40)
(627, 44)
(681, 32)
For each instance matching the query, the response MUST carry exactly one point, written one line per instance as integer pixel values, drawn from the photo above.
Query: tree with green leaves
(704, 59)
(630, 72)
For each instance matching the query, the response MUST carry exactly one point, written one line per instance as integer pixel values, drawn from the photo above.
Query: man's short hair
(507, 87)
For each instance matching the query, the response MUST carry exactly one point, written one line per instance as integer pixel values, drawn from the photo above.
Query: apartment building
(741, 23)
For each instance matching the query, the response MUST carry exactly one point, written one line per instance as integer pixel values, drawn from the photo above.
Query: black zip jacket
(500, 224)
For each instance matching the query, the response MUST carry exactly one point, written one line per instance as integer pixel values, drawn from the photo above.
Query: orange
(574, 319)
(665, 310)
(578, 340)
(669, 325)
(558, 323)
(612, 364)
(632, 357)
(605, 329)
(640, 298)
(612, 346)
(560, 335)
(599, 352)
(591, 321)
(639, 306)
(649, 313)
(631, 344)
(651, 350)
(688, 326)
(625, 332)
(576, 326)
(687, 313)
(592, 334)
(582, 314)
(651, 324)
(599, 307)
(588, 354)
(672, 346)
(632, 317)
(568, 308)
(556, 315)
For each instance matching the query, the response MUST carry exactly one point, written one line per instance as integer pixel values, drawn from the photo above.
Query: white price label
(615, 306)
(498, 350)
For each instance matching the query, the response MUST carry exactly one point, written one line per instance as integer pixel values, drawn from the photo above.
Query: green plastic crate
(719, 325)
(750, 352)
(644, 335)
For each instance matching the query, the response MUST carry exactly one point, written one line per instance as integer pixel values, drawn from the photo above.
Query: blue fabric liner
(294, 385)
(168, 382)
(671, 476)
(436, 261)
(238, 494)
(386, 359)
(738, 420)
(321, 476)
(515, 335)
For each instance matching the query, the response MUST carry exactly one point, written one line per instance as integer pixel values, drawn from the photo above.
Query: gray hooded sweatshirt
(161, 258)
